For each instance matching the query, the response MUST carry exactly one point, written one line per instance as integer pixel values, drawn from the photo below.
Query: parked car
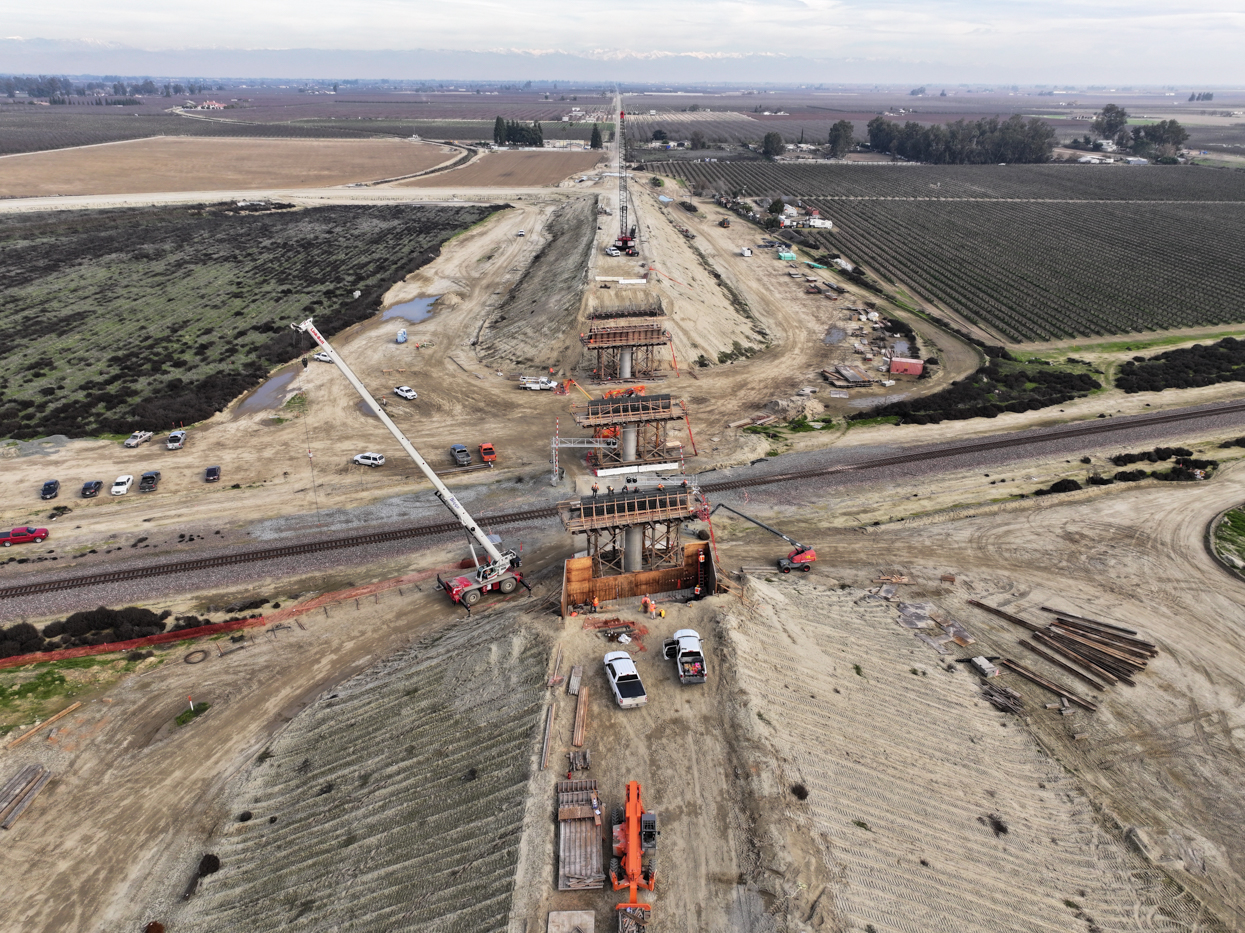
(533, 384)
(91, 488)
(121, 485)
(460, 455)
(612, 251)
(51, 489)
(211, 475)
(177, 440)
(369, 459)
(487, 453)
(624, 680)
(323, 358)
(138, 437)
(406, 392)
(520, 233)
(149, 481)
(22, 536)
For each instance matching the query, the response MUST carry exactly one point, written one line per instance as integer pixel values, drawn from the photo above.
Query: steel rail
(438, 528)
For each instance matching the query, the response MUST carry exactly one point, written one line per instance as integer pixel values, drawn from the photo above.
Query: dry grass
(511, 170)
(189, 164)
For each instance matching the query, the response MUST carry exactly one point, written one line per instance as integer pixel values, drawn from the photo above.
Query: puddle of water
(366, 409)
(411, 311)
(834, 335)
(270, 395)
(900, 348)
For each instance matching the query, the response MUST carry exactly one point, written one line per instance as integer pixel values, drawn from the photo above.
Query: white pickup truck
(544, 383)
(685, 650)
(624, 680)
(138, 437)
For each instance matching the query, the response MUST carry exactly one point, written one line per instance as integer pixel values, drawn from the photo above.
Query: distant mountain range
(84, 57)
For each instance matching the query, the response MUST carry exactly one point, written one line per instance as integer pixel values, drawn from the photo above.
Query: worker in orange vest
(596, 604)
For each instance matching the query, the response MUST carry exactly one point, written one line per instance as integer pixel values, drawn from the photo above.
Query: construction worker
(595, 489)
(644, 604)
(662, 613)
(610, 490)
(596, 604)
(652, 610)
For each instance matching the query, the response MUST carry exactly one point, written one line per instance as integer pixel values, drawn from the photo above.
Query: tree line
(1160, 139)
(513, 133)
(965, 142)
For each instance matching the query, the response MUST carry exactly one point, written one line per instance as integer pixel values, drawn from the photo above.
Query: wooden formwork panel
(579, 588)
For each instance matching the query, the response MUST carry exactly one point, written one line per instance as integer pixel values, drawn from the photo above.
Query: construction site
(689, 651)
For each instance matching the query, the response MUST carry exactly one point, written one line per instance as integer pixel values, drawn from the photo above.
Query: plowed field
(511, 170)
(189, 164)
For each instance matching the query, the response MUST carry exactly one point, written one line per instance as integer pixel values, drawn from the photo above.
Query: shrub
(1063, 485)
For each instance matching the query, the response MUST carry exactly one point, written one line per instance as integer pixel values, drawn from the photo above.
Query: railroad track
(193, 565)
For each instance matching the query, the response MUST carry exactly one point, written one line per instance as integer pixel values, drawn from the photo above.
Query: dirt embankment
(538, 317)
(394, 802)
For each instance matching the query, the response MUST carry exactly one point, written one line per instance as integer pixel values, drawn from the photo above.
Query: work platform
(628, 351)
(633, 409)
(590, 513)
(629, 532)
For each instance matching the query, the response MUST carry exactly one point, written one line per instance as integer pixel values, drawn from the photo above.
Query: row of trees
(513, 133)
(55, 88)
(1161, 139)
(965, 142)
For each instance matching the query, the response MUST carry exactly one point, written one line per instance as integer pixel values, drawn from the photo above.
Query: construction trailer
(639, 424)
(628, 350)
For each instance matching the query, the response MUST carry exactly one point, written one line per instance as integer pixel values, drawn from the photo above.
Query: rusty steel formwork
(627, 351)
(651, 520)
(639, 422)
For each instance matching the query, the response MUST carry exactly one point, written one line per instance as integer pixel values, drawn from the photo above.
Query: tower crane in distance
(626, 235)
(499, 572)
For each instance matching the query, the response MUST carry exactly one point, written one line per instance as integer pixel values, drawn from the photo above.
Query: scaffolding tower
(639, 423)
(633, 531)
(628, 351)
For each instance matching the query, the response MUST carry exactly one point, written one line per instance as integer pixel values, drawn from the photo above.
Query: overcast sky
(1139, 41)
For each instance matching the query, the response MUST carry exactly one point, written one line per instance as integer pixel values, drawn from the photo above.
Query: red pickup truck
(22, 536)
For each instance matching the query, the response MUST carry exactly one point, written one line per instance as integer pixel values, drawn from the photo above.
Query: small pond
(419, 309)
(270, 395)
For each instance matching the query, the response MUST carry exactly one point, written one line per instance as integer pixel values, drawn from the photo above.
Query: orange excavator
(635, 834)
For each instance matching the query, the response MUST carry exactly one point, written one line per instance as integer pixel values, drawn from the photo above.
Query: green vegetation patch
(195, 711)
(1001, 385)
(1198, 365)
(1230, 537)
(117, 320)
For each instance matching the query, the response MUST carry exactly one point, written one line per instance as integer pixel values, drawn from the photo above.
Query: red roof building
(907, 367)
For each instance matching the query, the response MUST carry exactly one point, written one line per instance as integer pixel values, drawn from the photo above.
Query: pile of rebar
(20, 791)
(1100, 654)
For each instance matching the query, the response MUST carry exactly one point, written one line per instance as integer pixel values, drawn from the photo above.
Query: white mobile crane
(499, 572)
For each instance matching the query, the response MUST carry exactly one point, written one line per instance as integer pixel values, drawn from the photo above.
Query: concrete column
(633, 549)
(629, 442)
(624, 363)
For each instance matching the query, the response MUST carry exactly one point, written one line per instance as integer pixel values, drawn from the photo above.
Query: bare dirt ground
(510, 170)
(189, 164)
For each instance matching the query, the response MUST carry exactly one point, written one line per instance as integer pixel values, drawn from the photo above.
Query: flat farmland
(177, 164)
(119, 319)
(1031, 252)
(511, 170)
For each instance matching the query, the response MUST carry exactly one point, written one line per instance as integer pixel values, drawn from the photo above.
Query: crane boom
(775, 531)
(801, 556)
(499, 562)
